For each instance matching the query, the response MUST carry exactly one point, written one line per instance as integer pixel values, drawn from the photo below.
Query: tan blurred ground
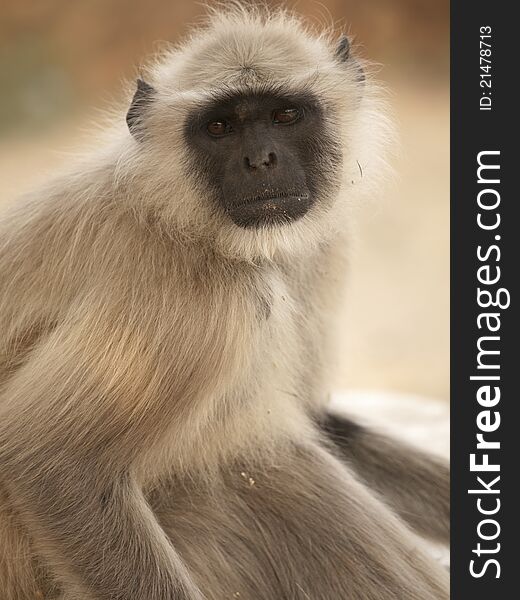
(60, 59)
(395, 326)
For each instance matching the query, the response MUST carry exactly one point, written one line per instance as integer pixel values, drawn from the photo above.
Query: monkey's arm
(70, 429)
(415, 484)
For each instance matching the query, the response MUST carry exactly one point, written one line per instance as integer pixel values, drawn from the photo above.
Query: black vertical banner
(485, 337)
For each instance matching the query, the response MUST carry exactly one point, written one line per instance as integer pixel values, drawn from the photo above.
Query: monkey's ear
(142, 98)
(342, 54)
(343, 49)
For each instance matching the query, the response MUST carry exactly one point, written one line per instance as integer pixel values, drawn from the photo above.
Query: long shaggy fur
(161, 369)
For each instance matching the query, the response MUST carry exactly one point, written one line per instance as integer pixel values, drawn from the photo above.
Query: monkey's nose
(265, 161)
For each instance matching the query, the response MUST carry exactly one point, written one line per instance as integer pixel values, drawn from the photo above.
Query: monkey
(415, 484)
(167, 308)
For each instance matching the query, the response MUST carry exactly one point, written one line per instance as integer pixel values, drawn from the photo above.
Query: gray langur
(166, 310)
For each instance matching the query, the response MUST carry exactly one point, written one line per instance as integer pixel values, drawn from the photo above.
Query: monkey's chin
(270, 212)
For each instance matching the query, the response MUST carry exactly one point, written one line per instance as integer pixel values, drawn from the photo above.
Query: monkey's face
(255, 137)
(267, 156)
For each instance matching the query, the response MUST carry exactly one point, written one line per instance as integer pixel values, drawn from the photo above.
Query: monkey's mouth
(270, 209)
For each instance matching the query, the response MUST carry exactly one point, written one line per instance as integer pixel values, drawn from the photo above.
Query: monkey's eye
(219, 128)
(286, 116)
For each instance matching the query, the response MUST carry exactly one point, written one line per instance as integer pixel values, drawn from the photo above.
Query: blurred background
(62, 60)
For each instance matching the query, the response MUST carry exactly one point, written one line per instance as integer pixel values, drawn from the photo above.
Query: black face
(267, 156)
